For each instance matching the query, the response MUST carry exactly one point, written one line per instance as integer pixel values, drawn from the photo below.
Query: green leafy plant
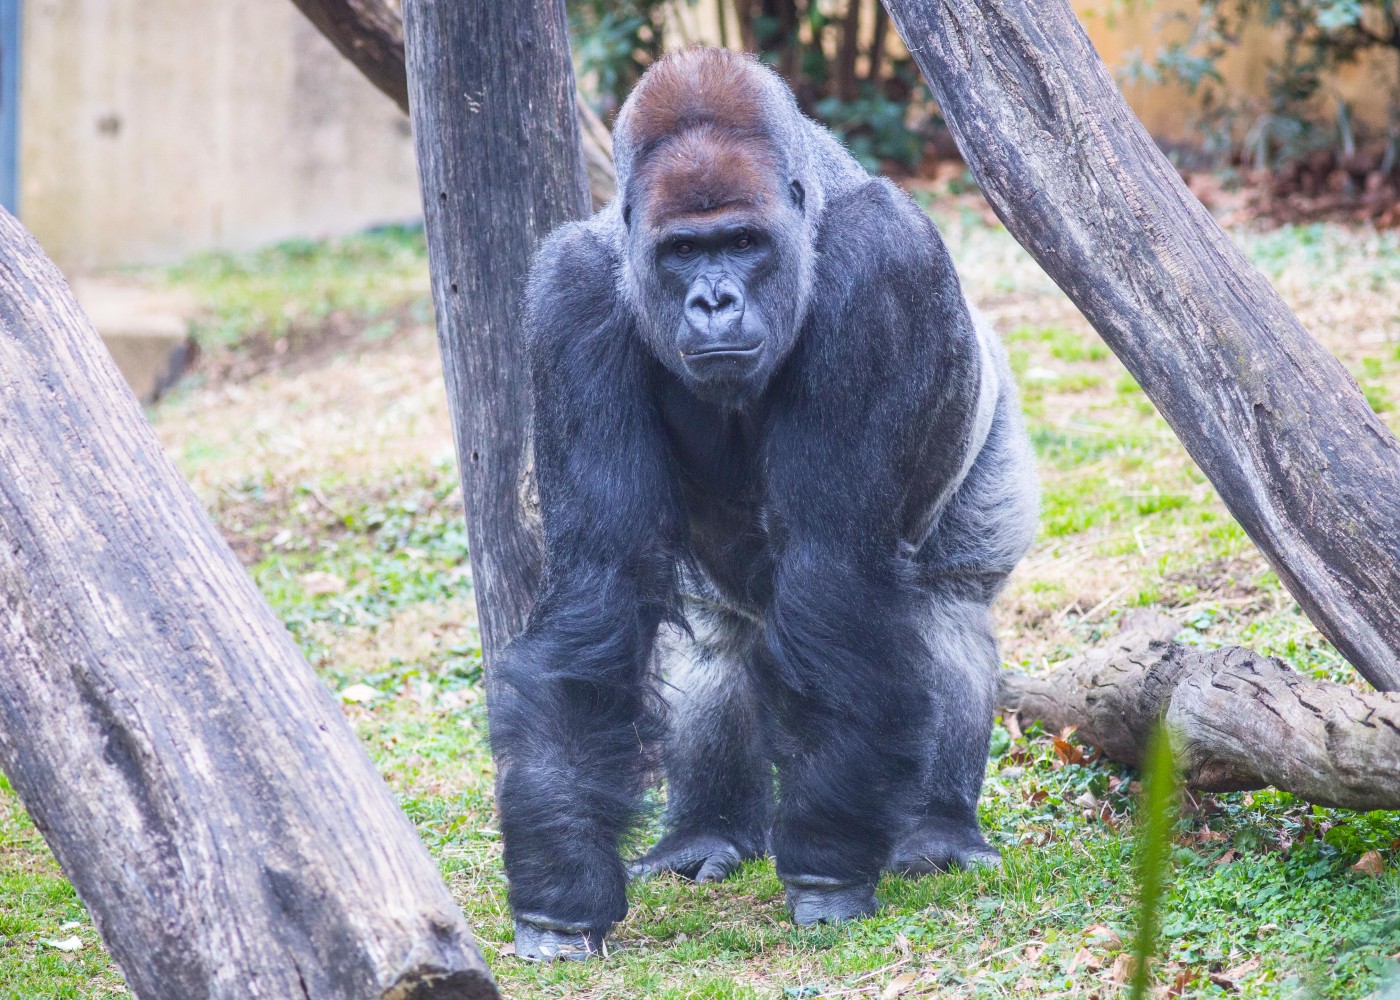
(874, 128)
(1301, 111)
(1156, 820)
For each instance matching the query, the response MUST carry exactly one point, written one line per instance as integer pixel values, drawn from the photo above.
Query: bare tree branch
(370, 34)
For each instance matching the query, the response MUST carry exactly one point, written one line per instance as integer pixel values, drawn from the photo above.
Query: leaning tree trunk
(1237, 720)
(492, 99)
(370, 34)
(200, 788)
(1272, 418)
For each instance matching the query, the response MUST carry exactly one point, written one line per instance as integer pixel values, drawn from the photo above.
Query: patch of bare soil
(303, 346)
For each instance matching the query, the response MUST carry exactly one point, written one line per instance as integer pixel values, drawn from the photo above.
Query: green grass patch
(299, 283)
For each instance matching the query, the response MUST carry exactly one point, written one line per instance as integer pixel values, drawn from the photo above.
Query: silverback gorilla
(782, 476)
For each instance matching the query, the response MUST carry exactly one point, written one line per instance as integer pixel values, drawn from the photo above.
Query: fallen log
(1237, 720)
(200, 788)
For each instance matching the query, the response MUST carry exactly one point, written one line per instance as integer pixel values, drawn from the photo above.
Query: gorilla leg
(963, 660)
(988, 525)
(719, 781)
(843, 677)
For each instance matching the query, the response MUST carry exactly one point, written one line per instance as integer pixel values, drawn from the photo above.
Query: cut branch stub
(1237, 720)
(1281, 429)
(198, 785)
(369, 33)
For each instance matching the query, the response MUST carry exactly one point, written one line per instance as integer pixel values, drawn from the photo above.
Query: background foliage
(1302, 111)
(833, 55)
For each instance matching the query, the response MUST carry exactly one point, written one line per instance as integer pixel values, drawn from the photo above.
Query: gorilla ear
(798, 195)
(627, 215)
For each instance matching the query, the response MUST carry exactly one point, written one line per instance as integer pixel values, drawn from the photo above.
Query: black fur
(839, 510)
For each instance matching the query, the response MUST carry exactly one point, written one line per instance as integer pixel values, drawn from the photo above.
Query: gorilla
(782, 476)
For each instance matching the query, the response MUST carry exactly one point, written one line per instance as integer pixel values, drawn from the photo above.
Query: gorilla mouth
(723, 363)
(723, 352)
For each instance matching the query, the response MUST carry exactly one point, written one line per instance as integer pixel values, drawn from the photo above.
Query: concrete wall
(1120, 32)
(150, 129)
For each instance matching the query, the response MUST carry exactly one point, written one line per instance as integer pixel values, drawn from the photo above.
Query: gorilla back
(782, 477)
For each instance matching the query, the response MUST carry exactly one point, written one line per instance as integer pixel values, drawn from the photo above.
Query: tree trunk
(1237, 720)
(878, 43)
(370, 34)
(492, 94)
(848, 52)
(1278, 425)
(200, 788)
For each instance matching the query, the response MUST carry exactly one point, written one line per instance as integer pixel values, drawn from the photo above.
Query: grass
(330, 473)
(300, 286)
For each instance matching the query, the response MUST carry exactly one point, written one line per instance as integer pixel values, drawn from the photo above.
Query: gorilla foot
(938, 844)
(704, 857)
(539, 939)
(817, 900)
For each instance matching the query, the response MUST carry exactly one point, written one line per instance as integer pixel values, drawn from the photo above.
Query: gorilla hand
(939, 843)
(701, 857)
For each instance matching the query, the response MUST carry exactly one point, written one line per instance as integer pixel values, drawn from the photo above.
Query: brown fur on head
(697, 119)
(697, 87)
(703, 171)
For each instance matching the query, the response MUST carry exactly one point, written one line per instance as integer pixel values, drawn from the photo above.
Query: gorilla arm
(575, 717)
(875, 419)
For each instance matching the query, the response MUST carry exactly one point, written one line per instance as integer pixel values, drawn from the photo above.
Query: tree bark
(848, 52)
(200, 788)
(492, 95)
(1237, 720)
(370, 34)
(1278, 425)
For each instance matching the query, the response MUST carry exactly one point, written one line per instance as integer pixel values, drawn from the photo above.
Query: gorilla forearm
(572, 729)
(845, 655)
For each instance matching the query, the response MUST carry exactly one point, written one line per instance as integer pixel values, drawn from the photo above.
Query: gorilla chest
(718, 460)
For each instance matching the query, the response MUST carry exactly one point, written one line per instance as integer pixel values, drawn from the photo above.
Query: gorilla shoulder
(572, 289)
(875, 231)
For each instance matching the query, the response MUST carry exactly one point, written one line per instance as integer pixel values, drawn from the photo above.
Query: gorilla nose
(714, 312)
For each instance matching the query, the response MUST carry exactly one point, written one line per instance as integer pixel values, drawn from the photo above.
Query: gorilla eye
(743, 242)
(684, 249)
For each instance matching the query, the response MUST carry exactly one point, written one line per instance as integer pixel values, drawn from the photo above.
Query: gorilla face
(721, 293)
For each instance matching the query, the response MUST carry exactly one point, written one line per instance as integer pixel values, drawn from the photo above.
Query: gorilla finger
(719, 866)
(684, 861)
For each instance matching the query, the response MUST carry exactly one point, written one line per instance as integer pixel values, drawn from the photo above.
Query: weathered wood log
(198, 785)
(1237, 720)
(370, 34)
(1279, 426)
(498, 157)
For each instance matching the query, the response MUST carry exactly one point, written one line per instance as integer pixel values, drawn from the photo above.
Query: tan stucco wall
(153, 128)
(1119, 31)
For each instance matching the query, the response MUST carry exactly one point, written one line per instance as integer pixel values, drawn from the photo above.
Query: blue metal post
(9, 103)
